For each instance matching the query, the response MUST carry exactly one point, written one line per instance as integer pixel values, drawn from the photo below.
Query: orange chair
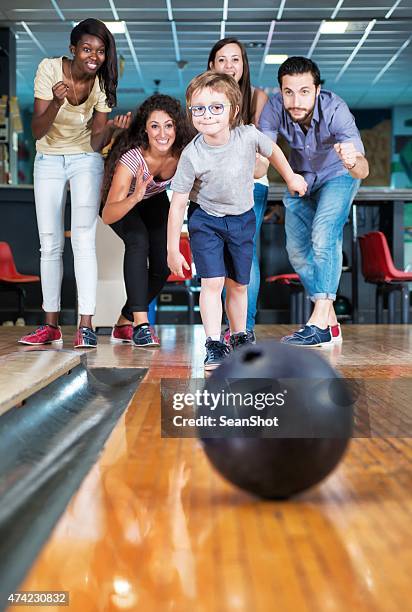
(175, 284)
(378, 268)
(10, 279)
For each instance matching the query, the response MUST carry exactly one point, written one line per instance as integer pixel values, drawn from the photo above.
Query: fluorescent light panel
(336, 9)
(356, 49)
(225, 10)
(281, 9)
(334, 27)
(392, 60)
(115, 27)
(34, 39)
(394, 6)
(114, 10)
(275, 59)
(267, 47)
(58, 10)
(315, 41)
(169, 10)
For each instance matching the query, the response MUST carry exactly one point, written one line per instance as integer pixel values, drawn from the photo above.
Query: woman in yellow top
(72, 99)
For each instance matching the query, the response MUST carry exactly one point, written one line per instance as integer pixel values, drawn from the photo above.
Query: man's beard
(305, 116)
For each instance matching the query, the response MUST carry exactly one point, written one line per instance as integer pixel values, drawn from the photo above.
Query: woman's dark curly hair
(107, 73)
(135, 135)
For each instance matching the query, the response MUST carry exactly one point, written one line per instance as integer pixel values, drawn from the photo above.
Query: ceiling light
(275, 59)
(333, 27)
(254, 45)
(115, 27)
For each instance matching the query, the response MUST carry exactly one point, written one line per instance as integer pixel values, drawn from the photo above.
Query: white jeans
(52, 173)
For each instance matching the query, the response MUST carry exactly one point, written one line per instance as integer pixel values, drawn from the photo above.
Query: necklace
(81, 112)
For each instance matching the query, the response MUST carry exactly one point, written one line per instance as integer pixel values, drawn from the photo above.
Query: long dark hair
(135, 135)
(244, 83)
(107, 73)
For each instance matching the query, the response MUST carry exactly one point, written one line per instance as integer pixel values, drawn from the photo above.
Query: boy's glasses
(214, 109)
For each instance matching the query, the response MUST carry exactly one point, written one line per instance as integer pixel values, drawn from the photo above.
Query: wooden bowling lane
(153, 527)
(22, 374)
(371, 346)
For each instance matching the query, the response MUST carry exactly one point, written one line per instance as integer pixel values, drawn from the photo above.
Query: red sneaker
(122, 334)
(336, 333)
(45, 334)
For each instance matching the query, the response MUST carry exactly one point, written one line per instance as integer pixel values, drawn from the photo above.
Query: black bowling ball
(314, 422)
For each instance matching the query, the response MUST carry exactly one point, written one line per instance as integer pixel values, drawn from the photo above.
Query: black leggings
(144, 233)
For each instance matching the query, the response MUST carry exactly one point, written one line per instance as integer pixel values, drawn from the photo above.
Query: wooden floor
(153, 527)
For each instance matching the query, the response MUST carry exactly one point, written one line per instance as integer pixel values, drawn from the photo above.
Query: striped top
(133, 160)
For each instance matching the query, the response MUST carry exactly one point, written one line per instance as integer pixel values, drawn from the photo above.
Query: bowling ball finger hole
(250, 356)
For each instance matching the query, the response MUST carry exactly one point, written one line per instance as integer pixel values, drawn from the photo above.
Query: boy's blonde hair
(223, 83)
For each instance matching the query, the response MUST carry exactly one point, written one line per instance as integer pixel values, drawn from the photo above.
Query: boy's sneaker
(122, 334)
(216, 352)
(336, 333)
(143, 335)
(85, 338)
(237, 340)
(45, 334)
(225, 336)
(309, 335)
(251, 335)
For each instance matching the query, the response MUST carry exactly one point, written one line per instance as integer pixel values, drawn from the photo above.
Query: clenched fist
(347, 153)
(60, 91)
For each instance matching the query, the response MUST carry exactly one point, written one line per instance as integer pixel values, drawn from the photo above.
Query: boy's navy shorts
(222, 246)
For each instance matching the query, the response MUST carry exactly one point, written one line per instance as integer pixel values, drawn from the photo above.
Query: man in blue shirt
(327, 150)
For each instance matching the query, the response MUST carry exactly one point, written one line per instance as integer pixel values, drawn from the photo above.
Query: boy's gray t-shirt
(220, 179)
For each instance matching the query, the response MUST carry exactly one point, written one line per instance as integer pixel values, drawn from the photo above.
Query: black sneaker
(309, 335)
(237, 340)
(85, 338)
(225, 336)
(216, 352)
(251, 335)
(143, 335)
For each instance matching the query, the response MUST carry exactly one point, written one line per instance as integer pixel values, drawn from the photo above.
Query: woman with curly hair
(139, 169)
(72, 100)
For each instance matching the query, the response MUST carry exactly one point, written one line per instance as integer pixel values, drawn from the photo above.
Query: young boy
(216, 171)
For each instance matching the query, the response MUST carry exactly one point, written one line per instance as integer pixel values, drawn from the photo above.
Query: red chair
(10, 279)
(175, 284)
(378, 268)
(300, 304)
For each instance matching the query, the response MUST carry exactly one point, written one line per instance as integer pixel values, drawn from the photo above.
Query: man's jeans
(314, 234)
